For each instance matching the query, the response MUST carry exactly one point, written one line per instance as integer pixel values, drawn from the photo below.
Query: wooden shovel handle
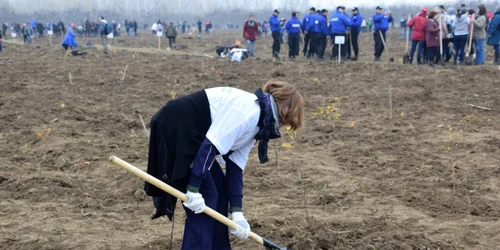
(181, 196)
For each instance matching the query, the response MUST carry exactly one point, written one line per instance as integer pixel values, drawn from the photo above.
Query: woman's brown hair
(289, 101)
(432, 14)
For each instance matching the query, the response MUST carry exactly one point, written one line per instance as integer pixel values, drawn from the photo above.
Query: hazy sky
(200, 6)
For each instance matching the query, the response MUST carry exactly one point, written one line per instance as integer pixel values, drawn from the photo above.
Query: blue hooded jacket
(305, 22)
(381, 22)
(69, 39)
(356, 21)
(319, 23)
(274, 24)
(339, 22)
(293, 26)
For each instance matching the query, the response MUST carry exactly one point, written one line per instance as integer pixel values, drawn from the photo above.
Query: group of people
(319, 30)
(441, 34)
(450, 28)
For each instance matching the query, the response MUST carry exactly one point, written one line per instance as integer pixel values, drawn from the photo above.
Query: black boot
(497, 58)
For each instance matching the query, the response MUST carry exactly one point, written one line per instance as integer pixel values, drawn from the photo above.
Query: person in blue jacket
(69, 40)
(381, 25)
(324, 31)
(339, 24)
(305, 31)
(314, 29)
(275, 26)
(494, 34)
(356, 21)
(293, 29)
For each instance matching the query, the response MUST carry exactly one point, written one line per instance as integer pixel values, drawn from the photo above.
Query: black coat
(177, 131)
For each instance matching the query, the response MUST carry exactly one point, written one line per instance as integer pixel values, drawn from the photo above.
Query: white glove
(244, 229)
(195, 202)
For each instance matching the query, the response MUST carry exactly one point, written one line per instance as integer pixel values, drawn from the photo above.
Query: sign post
(339, 40)
(50, 33)
(159, 34)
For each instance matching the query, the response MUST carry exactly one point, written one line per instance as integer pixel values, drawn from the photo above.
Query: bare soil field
(423, 174)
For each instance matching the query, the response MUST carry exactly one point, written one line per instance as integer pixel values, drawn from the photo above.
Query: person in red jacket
(418, 35)
(250, 33)
(432, 38)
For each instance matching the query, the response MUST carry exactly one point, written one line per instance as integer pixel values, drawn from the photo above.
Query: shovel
(441, 40)
(406, 57)
(391, 59)
(174, 192)
(468, 59)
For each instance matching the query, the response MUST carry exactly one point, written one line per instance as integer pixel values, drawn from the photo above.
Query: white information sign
(339, 39)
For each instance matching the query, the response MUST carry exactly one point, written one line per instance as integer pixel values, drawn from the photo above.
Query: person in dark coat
(40, 29)
(250, 34)
(171, 35)
(494, 34)
(1, 41)
(187, 134)
(431, 28)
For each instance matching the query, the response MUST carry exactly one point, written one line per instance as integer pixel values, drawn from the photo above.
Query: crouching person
(187, 134)
(69, 40)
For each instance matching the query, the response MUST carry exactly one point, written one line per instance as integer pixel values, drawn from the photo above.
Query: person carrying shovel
(381, 25)
(187, 134)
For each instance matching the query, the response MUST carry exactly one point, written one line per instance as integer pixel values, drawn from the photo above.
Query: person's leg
(480, 53)
(307, 39)
(343, 48)
(463, 44)
(221, 231)
(430, 55)
(276, 43)
(253, 47)
(295, 45)
(312, 45)
(497, 54)
(104, 40)
(420, 52)
(413, 47)
(382, 44)
(472, 50)
(335, 48)
(376, 38)
(0, 47)
(199, 228)
(355, 45)
(321, 49)
(290, 44)
(346, 46)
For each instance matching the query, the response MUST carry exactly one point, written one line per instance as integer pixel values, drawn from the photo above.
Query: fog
(222, 11)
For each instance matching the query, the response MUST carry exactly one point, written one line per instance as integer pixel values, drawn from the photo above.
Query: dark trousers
(420, 50)
(335, 49)
(460, 42)
(379, 45)
(171, 41)
(321, 46)
(446, 49)
(202, 232)
(276, 42)
(354, 41)
(65, 47)
(314, 44)
(40, 34)
(307, 40)
(348, 45)
(433, 55)
(293, 45)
